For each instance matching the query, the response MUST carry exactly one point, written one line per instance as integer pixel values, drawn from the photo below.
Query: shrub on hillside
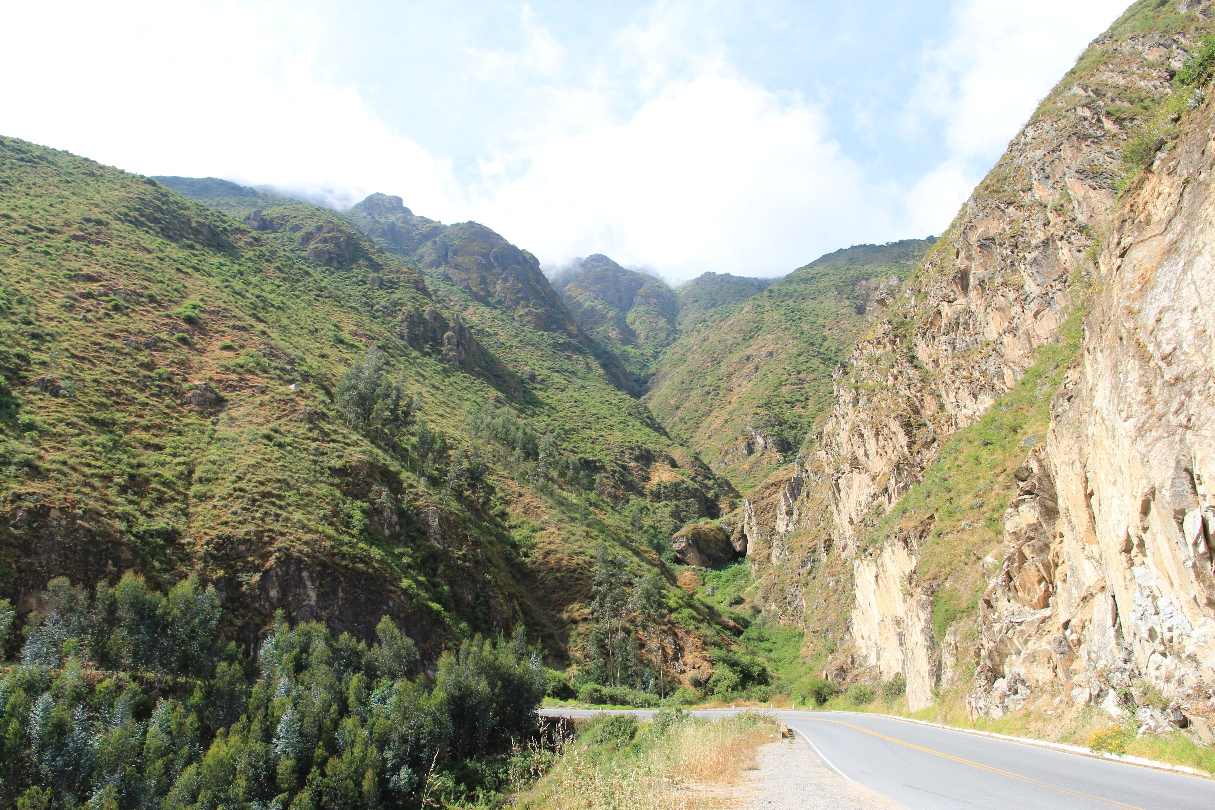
(598, 695)
(683, 696)
(1112, 740)
(894, 688)
(1198, 69)
(613, 731)
(820, 690)
(557, 686)
(736, 673)
(860, 694)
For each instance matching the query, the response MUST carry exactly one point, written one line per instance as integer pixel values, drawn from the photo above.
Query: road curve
(928, 768)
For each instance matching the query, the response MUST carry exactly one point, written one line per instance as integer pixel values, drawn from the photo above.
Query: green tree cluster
(125, 699)
(626, 647)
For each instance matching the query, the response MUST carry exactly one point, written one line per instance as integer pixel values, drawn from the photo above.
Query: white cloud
(541, 56)
(712, 173)
(230, 91)
(666, 157)
(651, 146)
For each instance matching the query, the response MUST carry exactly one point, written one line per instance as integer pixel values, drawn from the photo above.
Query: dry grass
(664, 768)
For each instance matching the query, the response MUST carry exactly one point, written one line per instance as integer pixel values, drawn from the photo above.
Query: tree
(372, 401)
(649, 603)
(608, 650)
(396, 656)
(7, 617)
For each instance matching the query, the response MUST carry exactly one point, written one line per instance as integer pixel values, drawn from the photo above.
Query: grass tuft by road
(673, 761)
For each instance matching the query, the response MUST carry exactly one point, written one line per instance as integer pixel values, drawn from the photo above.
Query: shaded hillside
(277, 404)
(629, 313)
(1003, 509)
(742, 386)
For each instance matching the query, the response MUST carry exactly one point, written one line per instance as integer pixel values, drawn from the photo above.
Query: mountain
(970, 474)
(751, 369)
(1005, 504)
(629, 313)
(258, 393)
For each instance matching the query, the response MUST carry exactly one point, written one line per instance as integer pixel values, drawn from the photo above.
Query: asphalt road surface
(927, 768)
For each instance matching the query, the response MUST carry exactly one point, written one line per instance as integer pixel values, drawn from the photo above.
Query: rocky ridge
(1107, 584)
(1100, 573)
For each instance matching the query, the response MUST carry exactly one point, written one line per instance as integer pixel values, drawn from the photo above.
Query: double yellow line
(987, 768)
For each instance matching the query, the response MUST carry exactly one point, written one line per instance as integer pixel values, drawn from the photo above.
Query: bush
(598, 695)
(557, 686)
(1199, 67)
(736, 672)
(860, 694)
(667, 718)
(894, 688)
(1142, 151)
(1112, 740)
(820, 690)
(613, 731)
(683, 696)
(190, 312)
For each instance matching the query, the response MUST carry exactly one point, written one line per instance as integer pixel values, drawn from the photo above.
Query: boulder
(704, 545)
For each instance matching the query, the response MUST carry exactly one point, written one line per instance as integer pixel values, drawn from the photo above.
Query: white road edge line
(824, 759)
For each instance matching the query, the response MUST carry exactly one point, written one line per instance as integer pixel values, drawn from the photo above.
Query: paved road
(927, 768)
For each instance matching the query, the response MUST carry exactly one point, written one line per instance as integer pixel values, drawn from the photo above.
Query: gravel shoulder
(788, 776)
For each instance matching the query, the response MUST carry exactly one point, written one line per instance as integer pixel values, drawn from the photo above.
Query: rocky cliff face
(1113, 585)
(1101, 568)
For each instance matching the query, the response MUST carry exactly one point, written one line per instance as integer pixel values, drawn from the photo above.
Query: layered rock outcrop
(1103, 578)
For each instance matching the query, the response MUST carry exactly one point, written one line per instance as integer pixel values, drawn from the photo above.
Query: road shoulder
(788, 776)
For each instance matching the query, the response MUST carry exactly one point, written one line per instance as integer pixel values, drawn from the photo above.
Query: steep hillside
(629, 313)
(944, 461)
(1106, 586)
(710, 294)
(743, 386)
(277, 404)
(490, 273)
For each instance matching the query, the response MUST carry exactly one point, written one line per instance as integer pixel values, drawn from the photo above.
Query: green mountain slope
(629, 313)
(710, 294)
(743, 387)
(489, 274)
(279, 405)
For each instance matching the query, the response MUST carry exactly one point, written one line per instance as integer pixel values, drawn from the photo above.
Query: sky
(682, 136)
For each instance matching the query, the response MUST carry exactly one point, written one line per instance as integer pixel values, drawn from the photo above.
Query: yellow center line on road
(988, 768)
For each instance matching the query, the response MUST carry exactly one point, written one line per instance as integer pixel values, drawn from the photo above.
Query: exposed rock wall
(1127, 589)
(1102, 577)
